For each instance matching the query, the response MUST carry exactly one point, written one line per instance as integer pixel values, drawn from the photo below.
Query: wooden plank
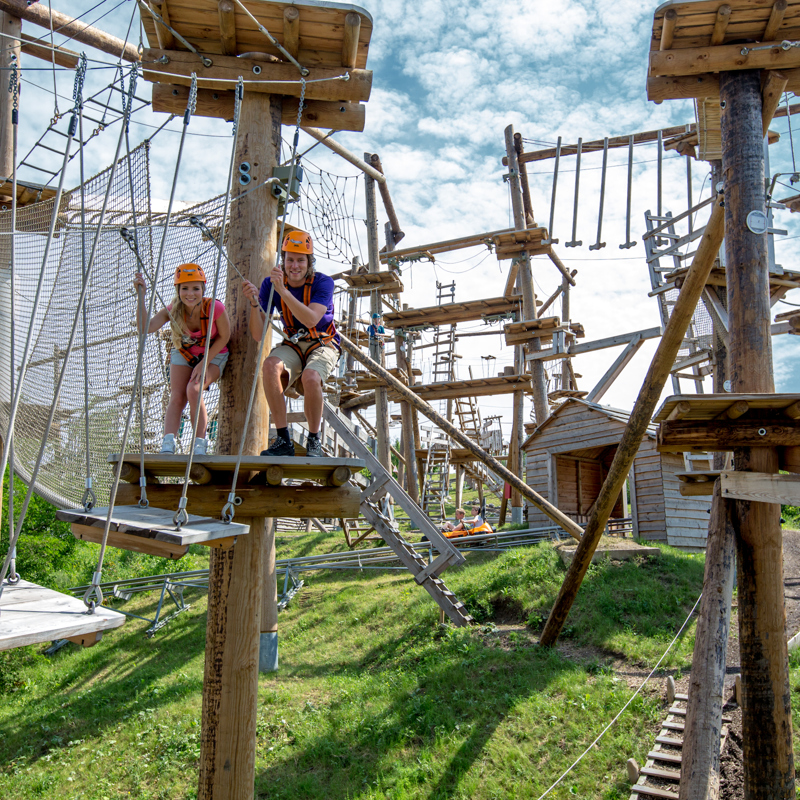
(137, 544)
(761, 487)
(452, 313)
(155, 523)
(272, 78)
(652, 791)
(692, 435)
(32, 614)
(257, 501)
(725, 58)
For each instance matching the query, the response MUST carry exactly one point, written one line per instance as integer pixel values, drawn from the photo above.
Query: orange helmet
(298, 242)
(189, 273)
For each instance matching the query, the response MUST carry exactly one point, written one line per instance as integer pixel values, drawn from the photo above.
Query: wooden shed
(568, 457)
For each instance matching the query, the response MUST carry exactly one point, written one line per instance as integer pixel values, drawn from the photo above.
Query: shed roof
(616, 414)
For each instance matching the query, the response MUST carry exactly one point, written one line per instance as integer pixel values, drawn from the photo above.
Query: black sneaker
(280, 447)
(314, 447)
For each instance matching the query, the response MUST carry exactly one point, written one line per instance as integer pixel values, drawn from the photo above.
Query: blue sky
(448, 78)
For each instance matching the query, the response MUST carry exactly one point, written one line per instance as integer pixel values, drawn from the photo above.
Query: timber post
(636, 428)
(375, 303)
(230, 686)
(701, 738)
(11, 28)
(766, 709)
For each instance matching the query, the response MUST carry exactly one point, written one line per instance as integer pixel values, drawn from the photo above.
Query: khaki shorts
(323, 360)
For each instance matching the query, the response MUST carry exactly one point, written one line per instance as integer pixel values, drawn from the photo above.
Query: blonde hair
(177, 322)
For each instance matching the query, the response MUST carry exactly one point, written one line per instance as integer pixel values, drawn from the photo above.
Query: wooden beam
(645, 405)
(761, 487)
(560, 265)
(352, 29)
(388, 205)
(261, 77)
(721, 21)
(294, 501)
(775, 21)
(771, 94)
(291, 30)
(601, 344)
(331, 144)
(67, 26)
(39, 48)
(613, 372)
(725, 58)
(668, 29)
(735, 410)
(683, 436)
(171, 99)
(227, 28)
(166, 41)
(453, 432)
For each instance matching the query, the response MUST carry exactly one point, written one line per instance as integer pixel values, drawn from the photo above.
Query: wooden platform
(320, 30)
(478, 387)
(451, 313)
(151, 530)
(691, 43)
(788, 280)
(220, 468)
(511, 244)
(711, 406)
(31, 614)
(365, 283)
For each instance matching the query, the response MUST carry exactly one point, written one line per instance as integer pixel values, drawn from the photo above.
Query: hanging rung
(136, 528)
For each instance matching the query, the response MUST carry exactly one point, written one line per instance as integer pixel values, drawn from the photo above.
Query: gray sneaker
(280, 447)
(314, 447)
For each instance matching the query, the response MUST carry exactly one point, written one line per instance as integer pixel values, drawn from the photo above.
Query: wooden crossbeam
(724, 58)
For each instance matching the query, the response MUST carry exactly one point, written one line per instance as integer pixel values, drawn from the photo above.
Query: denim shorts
(178, 360)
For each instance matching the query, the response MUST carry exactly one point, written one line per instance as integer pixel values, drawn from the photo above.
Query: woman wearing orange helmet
(311, 349)
(189, 315)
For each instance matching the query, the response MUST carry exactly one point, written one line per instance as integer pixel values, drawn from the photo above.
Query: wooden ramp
(151, 530)
(31, 614)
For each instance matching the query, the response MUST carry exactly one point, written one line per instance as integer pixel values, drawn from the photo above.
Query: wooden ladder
(436, 486)
(426, 575)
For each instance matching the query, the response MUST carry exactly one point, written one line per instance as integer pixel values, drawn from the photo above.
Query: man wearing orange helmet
(311, 349)
(190, 316)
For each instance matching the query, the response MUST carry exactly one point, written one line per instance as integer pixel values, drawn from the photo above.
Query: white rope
(228, 509)
(344, 77)
(619, 714)
(12, 416)
(13, 88)
(94, 588)
(181, 516)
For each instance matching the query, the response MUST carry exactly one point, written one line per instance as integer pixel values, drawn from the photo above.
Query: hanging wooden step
(150, 530)
(31, 614)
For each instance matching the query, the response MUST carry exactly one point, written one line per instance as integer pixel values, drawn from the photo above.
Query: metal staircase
(425, 574)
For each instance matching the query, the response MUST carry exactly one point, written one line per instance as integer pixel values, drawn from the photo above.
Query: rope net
(111, 335)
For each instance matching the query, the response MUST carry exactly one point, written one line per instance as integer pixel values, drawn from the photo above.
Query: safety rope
(228, 509)
(89, 499)
(622, 710)
(94, 588)
(181, 516)
(17, 394)
(13, 88)
(273, 41)
(791, 134)
(57, 392)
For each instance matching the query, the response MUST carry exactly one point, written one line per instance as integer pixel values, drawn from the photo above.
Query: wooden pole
(766, 710)
(570, 526)
(39, 15)
(539, 382)
(701, 736)
(331, 144)
(230, 687)
(636, 428)
(530, 220)
(11, 28)
(407, 421)
(375, 349)
(383, 188)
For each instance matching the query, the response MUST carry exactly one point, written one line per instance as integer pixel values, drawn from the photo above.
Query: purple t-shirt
(321, 292)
